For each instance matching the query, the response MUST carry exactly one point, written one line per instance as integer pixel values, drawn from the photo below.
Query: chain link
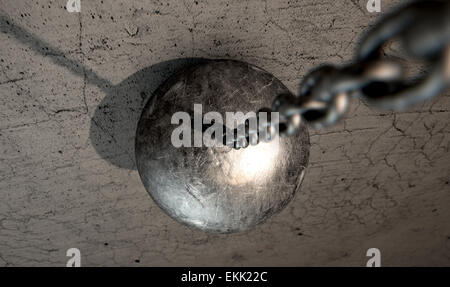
(423, 29)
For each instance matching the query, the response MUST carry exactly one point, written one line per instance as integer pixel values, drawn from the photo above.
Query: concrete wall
(72, 87)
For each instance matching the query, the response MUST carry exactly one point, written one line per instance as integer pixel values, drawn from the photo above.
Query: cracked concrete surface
(73, 84)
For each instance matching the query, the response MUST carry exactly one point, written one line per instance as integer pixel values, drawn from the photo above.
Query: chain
(423, 29)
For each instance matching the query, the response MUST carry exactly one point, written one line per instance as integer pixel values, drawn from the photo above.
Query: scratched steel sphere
(218, 189)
